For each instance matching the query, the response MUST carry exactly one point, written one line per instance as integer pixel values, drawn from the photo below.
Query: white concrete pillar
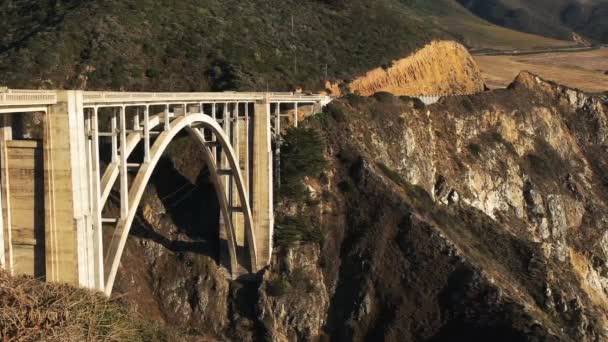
(95, 194)
(261, 183)
(68, 223)
(6, 245)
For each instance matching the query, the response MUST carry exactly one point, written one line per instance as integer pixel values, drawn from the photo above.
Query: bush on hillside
(301, 156)
(31, 310)
(290, 231)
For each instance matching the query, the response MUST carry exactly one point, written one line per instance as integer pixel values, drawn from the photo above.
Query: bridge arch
(190, 123)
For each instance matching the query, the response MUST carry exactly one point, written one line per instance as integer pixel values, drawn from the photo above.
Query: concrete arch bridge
(54, 188)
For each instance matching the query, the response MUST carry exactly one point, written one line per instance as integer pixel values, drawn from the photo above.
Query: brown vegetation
(441, 67)
(31, 310)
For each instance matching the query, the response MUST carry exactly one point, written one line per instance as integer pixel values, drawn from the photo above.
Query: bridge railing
(17, 100)
(91, 97)
(11, 97)
(431, 99)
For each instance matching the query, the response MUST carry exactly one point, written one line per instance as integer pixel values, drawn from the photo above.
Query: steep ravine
(478, 218)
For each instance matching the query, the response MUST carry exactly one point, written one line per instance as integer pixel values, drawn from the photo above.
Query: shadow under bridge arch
(193, 124)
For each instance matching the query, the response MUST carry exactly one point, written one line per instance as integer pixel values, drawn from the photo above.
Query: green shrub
(335, 112)
(301, 156)
(383, 96)
(346, 187)
(278, 287)
(475, 149)
(292, 230)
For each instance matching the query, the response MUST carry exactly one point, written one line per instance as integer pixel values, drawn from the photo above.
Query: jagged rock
(549, 303)
(453, 197)
(475, 218)
(296, 312)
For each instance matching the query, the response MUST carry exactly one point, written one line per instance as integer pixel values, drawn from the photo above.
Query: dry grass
(31, 310)
(583, 70)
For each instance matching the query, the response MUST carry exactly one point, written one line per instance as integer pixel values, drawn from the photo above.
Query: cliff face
(480, 217)
(441, 67)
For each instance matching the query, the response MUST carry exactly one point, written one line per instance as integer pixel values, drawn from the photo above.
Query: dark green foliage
(383, 96)
(200, 45)
(475, 149)
(301, 156)
(346, 187)
(298, 229)
(278, 287)
(335, 112)
(355, 100)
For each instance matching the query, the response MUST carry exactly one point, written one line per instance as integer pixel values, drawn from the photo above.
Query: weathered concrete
(67, 212)
(240, 142)
(261, 184)
(26, 195)
(6, 255)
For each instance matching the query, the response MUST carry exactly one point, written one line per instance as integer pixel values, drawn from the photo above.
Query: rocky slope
(481, 217)
(500, 194)
(441, 67)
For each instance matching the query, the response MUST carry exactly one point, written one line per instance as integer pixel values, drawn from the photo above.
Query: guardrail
(28, 98)
(431, 99)
(121, 97)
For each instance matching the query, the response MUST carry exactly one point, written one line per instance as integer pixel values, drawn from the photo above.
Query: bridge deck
(16, 100)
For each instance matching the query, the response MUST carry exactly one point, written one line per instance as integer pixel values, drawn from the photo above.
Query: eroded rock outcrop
(516, 197)
(441, 67)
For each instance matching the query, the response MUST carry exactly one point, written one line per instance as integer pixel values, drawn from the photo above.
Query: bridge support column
(68, 229)
(226, 183)
(261, 183)
(240, 144)
(6, 243)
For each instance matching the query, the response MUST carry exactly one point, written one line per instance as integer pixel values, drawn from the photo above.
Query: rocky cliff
(441, 67)
(480, 217)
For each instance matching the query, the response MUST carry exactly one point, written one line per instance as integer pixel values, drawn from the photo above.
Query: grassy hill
(223, 44)
(551, 18)
(476, 32)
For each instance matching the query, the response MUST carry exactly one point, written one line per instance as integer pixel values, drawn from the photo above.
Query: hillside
(479, 218)
(224, 44)
(475, 32)
(192, 45)
(550, 18)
